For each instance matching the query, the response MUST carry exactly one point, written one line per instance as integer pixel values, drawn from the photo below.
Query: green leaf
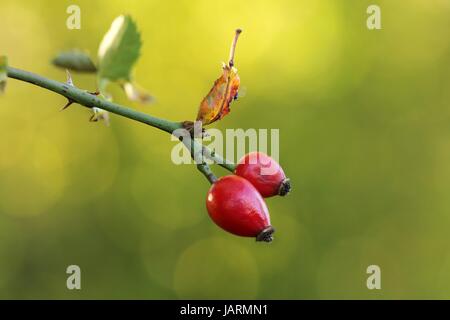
(119, 50)
(75, 60)
(3, 72)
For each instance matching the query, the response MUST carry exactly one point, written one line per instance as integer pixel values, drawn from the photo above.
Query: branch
(88, 100)
(196, 151)
(206, 171)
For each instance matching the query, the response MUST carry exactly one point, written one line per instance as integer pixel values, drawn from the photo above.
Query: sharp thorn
(66, 106)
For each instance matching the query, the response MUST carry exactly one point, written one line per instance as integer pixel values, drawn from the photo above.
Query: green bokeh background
(364, 121)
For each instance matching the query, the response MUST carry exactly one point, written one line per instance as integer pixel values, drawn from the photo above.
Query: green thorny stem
(89, 100)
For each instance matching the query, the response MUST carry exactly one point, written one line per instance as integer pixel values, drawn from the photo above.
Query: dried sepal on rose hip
(264, 173)
(216, 104)
(237, 207)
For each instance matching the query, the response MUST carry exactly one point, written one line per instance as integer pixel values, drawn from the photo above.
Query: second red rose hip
(264, 173)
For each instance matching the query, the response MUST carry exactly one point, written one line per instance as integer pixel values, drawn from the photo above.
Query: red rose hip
(237, 207)
(264, 173)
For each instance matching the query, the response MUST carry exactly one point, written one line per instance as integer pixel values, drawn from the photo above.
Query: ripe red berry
(237, 207)
(264, 173)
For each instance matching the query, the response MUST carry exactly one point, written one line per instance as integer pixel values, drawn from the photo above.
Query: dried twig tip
(233, 47)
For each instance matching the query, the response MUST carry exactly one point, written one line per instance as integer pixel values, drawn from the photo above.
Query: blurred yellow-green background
(364, 119)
